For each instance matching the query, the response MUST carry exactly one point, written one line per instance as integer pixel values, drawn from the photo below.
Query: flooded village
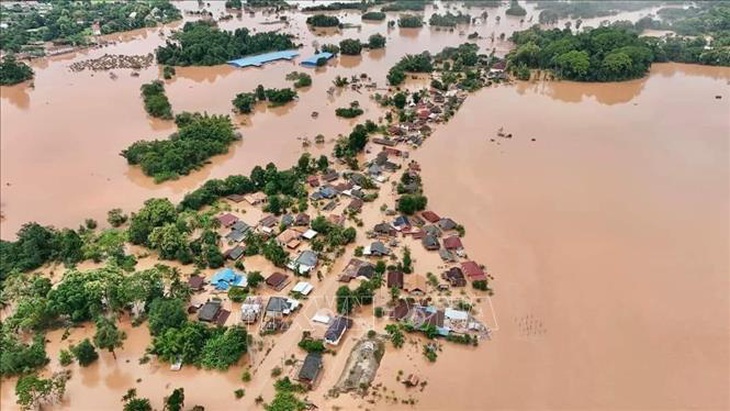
(521, 245)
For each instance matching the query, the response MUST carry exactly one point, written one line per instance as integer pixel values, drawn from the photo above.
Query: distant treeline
(198, 138)
(605, 53)
(201, 43)
(70, 22)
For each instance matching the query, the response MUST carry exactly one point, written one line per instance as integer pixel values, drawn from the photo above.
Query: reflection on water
(17, 95)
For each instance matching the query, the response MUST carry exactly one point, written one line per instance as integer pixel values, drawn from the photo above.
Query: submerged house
(277, 281)
(227, 219)
(376, 249)
(251, 309)
(226, 278)
(310, 370)
(337, 329)
(430, 243)
(455, 277)
(213, 312)
(473, 271)
(304, 263)
(357, 268)
(395, 279)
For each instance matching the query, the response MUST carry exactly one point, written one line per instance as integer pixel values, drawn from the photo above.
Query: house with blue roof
(228, 277)
(261, 59)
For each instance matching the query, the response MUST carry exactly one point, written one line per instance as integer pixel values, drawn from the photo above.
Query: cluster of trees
(156, 102)
(410, 63)
(33, 391)
(515, 9)
(395, 334)
(175, 338)
(355, 142)
(449, 19)
(286, 398)
(323, 20)
(338, 5)
(374, 15)
(300, 79)
(36, 245)
(606, 53)
(70, 22)
(13, 71)
(350, 47)
(589, 9)
(234, 4)
(199, 137)
(406, 5)
(376, 41)
(268, 179)
(332, 235)
(352, 111)
(201, 43)
(410, 21)
(348, 299)
(411, 203)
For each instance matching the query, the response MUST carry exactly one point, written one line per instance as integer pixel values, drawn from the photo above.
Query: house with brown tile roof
(430, 216)
(227, 219)
(395, 279)
(453, 243)
(277, 281)
(473, 271)
(455, 277)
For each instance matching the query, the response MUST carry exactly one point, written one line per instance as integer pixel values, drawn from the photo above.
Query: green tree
(573, 64)
(166, 313)
(33, 391)
(244, 102)
(407, 261)
(85, 353)
(345, 300)
(134, 403)
(350, 47)
(108, 336)
(225, 349)
(411, 203)
(116, 217)
(394, 293)
(399, 100)
(396, 335)
(376, 41)
(323, 163)
(13, 71)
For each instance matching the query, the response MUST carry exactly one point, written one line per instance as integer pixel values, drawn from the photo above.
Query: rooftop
(312, 61)
(261, 59)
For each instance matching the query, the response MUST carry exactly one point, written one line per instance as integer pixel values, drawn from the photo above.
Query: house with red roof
(453, 243)
(473, 271)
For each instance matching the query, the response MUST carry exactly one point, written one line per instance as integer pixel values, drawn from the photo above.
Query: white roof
(321, 318)
(310, 234)
(452, 314)
(303, 288)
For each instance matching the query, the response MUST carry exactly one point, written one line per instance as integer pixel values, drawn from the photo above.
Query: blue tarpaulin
(261, 59)
(312, 61)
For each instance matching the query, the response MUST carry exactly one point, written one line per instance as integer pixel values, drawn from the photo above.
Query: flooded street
(608, 234)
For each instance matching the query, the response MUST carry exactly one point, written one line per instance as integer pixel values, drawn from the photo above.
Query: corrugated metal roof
(261, 59)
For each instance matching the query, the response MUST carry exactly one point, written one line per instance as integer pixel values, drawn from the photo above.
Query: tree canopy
(13, 71)
(155, 101)
(199, 137)
(323, 20)
(201, 43)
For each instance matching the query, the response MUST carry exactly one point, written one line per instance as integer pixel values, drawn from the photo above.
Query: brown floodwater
(607, 235)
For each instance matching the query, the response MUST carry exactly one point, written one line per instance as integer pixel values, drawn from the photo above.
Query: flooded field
(607, 234)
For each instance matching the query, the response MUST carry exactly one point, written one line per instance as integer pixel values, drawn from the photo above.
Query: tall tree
(108, 336)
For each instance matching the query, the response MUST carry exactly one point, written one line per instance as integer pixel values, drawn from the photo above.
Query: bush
(65, 357)
(323, 20)
(246, 376)
(350, 47)
(411, 203)
(239, 393)
(410, 21)
(155, 101)
(376, 41)
(85, 353)
(237, 294)
(13, 71)
(374, 15)
(379, 312)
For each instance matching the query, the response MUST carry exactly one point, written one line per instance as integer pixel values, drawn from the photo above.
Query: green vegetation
(430, 352)
(376, 41)
(198, 138)
(156, 103)
(606, 53)
(515, 9)
(406, 5)
(355, 142)
(349, 112)
(108, 336)
(279, 96)
(323, 20)
(13, 71)
(201, 43)
(483, 3)
(350, 47)
(589, 9)
(395, 334)
(168, 72)
(411, 203)
(337, 5)
(195, 343)
(85, 353)
(449, 19)
(286, 398)
(300, 79)
(131, 402)
(411, 63)
(374, 15)
(309, 344)
(116, 217)
(410, 21)
(70, 22)
(17, 357)
(33, 391)
(406, 264)
(176, 400)
(244, 102)
(234, 4)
